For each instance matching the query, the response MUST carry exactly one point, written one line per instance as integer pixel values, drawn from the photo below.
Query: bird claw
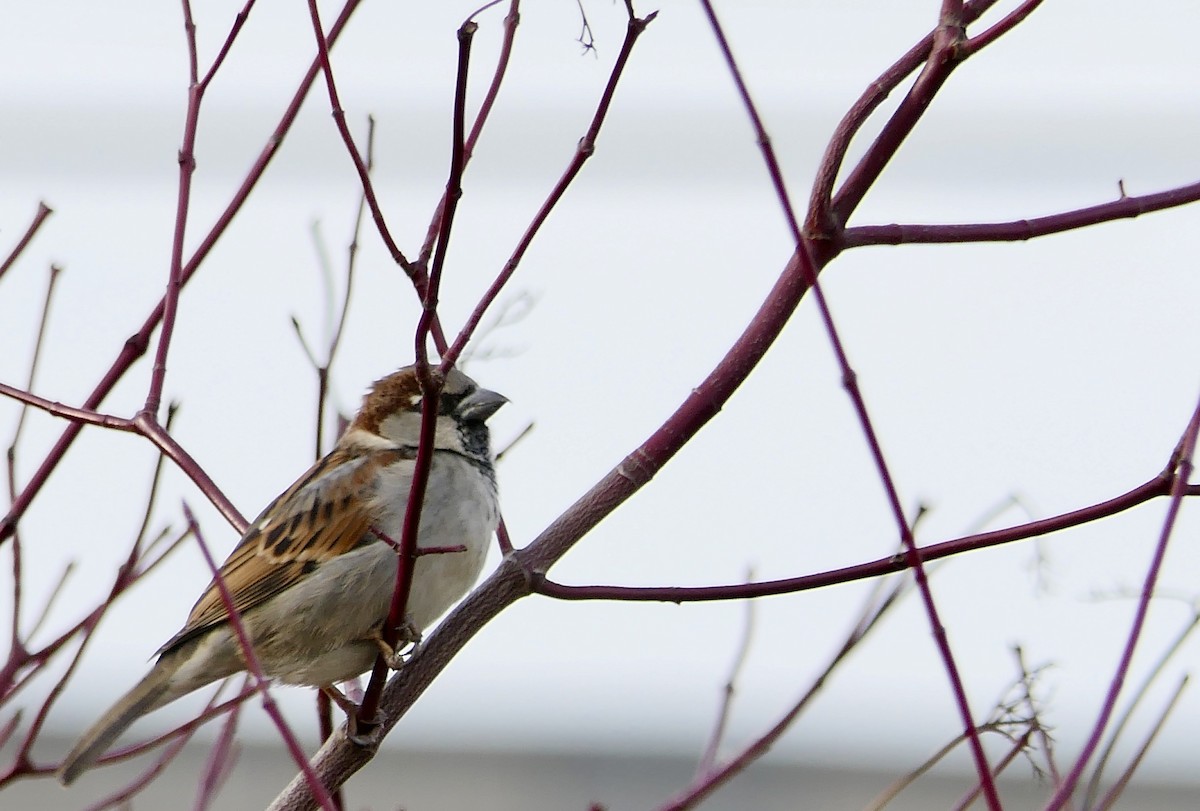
(410, 635)
(358, 731)
(366, 735)
(409, 632)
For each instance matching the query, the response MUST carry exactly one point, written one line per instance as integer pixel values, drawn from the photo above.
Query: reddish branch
(1018, 230)
(821, 224)
(415, 273)
(1157, 487)
(250, 659)
(585, 149)
(43, 212)
(1183, 464)
(942, 58)
(136, 345)
(522, 572)
(511, 21)
(431, 389)
(145, 425)
(187, 167)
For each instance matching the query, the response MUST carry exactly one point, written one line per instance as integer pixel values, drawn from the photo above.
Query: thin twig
(1047, 743)
(709, 758)
(250, 659)
(221, 758)
(18, 578)
(136, 345)
(511, 21)
(431, 386)
(1141, 691)
(38, 343)
(187, 168)
(524, 432)
(1007, 23)
(584, 150)
(1157, 487)
(1125, 207)
(1114, 793)
(879, 602)
(1187, 447)
(43, 211)
(364, 177)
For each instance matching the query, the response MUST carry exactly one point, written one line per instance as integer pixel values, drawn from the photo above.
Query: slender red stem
(136, 345)
(43, 211)
(1155, 488)
(585, 149)
(1186, 451)
(250, 659)
(941, 60)
(1126, 207)
(360, 166)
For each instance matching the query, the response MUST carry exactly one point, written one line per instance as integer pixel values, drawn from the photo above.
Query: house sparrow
(312, 578)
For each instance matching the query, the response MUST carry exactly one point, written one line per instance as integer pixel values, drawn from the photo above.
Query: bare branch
(1155, 488)
(511, 21)
(136, 345)
(821, 226)
(585, 149)
(43, 211)
(339, 118)
(1125, 207)
(261, 685)
(1113, 794)
(1184, 454)
(1139, 692)
(709, 759)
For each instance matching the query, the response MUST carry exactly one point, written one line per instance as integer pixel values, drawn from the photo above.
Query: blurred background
(1007, 382)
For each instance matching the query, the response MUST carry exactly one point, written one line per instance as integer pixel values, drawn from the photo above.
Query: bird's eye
(450, 402)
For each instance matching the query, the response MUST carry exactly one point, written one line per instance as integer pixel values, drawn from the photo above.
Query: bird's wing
(326, 513)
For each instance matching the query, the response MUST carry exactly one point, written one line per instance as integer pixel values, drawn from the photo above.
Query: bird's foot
(409, 638)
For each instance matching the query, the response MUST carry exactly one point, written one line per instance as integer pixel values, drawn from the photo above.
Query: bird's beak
(479, 405)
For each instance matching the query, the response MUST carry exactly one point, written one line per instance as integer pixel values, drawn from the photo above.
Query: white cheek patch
(414, 399)
(402, 428)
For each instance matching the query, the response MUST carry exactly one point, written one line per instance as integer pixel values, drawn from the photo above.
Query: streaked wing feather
(323, 515)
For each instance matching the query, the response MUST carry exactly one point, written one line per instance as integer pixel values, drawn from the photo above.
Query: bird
(312, 576)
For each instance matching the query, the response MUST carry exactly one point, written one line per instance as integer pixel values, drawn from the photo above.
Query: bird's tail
(149, 694)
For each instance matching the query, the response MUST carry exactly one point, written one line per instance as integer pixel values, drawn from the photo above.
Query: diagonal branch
(360, 166)
(250, 659)
(136, 345)
(820, 225)
(1183, 464)
(941, 61)
(43, 211)
(585, 149)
